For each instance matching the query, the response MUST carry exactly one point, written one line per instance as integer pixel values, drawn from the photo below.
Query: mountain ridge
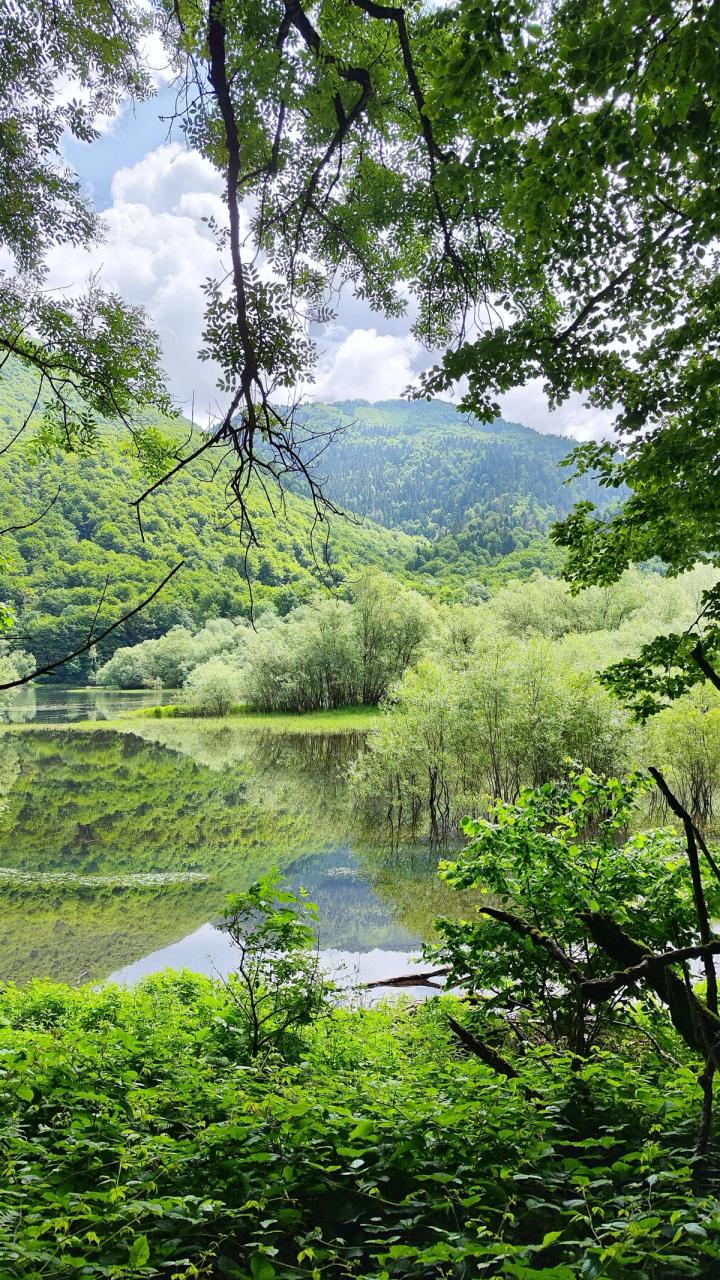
(426, 469)
(437, 510)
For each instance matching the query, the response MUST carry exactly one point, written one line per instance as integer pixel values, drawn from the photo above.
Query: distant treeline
(478, 492)
(326, 654)
(480, 700)
(464, 509)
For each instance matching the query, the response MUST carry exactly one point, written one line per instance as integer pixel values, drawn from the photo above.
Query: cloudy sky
(153, 193)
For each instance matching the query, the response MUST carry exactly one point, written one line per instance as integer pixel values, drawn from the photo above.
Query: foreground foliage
(249, 1129)
(383, 1150)
(561, 887)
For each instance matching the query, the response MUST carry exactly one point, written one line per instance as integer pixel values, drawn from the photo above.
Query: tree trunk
(698, 1026)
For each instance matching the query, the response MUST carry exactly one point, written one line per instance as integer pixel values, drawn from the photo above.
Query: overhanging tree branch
(92, 639)
(698, 654)
(541, 939)
(602, 988)
(695, 1022)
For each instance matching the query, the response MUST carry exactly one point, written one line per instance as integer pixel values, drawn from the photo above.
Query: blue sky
(136, 132)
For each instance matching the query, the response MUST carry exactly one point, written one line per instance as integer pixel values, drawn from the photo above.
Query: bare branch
(682, 813)
(423, 979)
(602, 988)
(489, 1056)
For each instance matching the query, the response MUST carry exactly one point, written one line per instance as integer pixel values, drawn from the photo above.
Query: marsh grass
(343, 720)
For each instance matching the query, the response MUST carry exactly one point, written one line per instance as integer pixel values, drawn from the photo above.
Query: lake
(118, 846)
(53, 704)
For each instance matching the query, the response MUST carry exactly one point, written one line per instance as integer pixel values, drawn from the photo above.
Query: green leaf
(261, 1267)
(139, 1252)
(550, 1237)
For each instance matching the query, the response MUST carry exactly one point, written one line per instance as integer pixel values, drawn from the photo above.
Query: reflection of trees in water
(72, 936)
(106, 801)
(17, 706)
(219, 743)
(404, 874)
(352, 915)
(103, 802)
(9, 772)
(311, 762)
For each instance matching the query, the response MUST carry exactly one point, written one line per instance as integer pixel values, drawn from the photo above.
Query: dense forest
(477, 491)
(361, 909)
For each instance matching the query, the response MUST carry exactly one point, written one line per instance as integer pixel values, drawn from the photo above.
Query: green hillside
(89, 542)
(478, 492)
(445, 504)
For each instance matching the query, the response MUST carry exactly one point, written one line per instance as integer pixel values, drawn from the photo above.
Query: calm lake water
(117, 848)
(50, 704)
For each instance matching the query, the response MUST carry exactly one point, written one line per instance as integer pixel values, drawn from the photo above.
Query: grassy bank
(342, 720)
(339, 720)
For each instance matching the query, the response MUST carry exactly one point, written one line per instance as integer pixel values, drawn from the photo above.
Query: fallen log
(698, 1025)
(410, 980)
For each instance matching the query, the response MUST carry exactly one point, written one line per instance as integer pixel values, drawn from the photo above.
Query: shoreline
(342, 720)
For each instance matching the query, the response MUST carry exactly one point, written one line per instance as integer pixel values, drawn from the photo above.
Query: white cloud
(529, 405)
(155, 59)
(165, 178)
(156, 253)
(367, 365)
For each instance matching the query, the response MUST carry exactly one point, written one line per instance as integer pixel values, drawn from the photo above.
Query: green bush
(140, 1141)
(213, 688)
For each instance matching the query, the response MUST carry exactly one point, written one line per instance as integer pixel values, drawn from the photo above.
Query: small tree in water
(278, 986)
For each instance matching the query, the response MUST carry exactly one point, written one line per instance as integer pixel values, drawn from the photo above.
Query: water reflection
(117, 849)
(209, 950)
(52, 704)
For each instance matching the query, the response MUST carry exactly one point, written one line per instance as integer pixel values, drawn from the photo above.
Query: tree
(390, 628)
(213, 687)
(581, 931)
(458, 735)
(593, 133)
(93, 356)
(278, 987)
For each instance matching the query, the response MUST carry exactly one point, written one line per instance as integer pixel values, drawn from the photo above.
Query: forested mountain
(473, 489)
(461, 504)
(87, 550)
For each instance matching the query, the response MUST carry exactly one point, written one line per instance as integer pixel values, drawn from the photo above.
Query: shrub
(213, 688)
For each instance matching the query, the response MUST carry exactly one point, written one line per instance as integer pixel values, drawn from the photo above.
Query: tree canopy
(62, 68)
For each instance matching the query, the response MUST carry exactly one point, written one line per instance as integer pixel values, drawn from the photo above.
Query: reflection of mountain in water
(352, 916)
(173, 797)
